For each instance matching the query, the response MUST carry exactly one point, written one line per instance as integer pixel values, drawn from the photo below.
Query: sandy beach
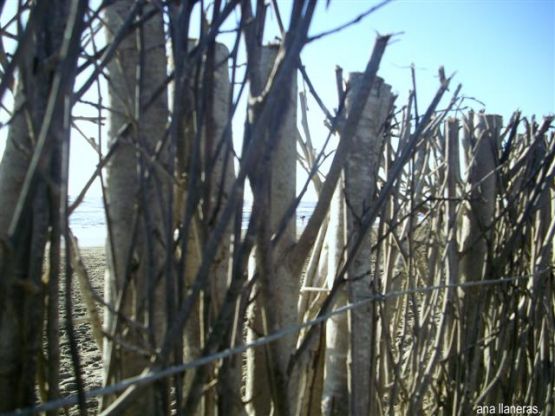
(89, 353)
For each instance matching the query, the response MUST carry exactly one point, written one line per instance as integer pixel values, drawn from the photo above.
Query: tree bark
(335, 392)
(479, 216)
(360, 178)
(476, 244)
(278, 304)
(22, 291)
(135, 192)
(452, 254)
(541, 250)
(361, 174)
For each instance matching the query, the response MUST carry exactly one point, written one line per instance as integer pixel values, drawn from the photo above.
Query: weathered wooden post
(482, 134)
(480, 212)
(135, 257)
(277, 305)
(353, 201)
(543, 226)
(452, 159)
(335, 392)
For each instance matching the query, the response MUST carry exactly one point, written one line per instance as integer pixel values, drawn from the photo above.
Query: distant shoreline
(88, 222)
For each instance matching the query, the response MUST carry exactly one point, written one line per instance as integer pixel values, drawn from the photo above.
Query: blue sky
(503, 52)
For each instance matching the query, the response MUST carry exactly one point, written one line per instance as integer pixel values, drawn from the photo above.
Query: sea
(88, 221)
